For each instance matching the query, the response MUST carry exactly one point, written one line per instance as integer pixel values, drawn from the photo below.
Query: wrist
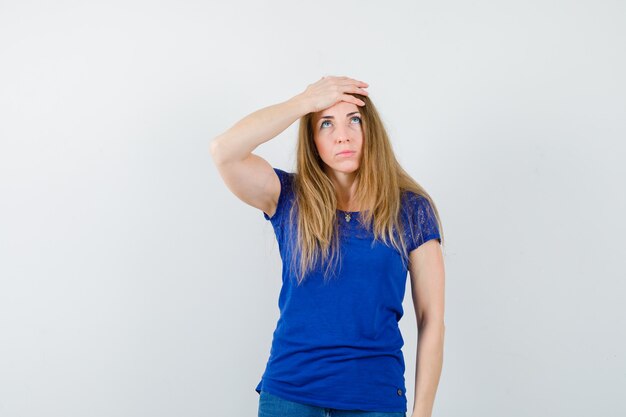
(300, 104)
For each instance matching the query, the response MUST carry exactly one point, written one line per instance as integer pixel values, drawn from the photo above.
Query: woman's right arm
(248, 176)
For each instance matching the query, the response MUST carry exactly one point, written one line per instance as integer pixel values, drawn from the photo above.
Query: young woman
(350, 223)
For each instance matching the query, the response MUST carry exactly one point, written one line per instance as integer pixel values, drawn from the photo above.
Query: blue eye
(352, 118)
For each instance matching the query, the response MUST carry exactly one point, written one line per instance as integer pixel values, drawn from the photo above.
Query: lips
(345, 152)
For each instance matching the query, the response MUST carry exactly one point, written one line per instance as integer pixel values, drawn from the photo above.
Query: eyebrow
(332, 117)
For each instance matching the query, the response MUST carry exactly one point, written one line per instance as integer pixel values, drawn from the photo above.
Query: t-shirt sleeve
(423, 222)
(285, 192)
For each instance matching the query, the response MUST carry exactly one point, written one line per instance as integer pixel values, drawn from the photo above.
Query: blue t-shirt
(337, 344)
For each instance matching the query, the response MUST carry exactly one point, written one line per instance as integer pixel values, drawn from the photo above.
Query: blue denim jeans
(272, 406)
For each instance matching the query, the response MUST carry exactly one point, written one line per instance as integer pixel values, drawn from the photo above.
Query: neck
(345, 189)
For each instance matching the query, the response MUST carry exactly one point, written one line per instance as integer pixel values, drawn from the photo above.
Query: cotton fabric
(337, 344)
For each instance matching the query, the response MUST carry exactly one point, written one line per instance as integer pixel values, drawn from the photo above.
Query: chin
(347, 170)
(348, 167)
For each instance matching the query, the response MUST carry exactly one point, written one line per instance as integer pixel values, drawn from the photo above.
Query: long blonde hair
(380, 184)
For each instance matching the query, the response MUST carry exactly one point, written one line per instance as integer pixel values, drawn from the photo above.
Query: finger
(352, 99)
(358, 83)
(351, 88)
(359, 90)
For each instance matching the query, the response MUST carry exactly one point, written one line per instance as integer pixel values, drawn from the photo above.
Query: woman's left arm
(426, 268)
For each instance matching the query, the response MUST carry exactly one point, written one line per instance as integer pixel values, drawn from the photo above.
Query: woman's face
(338, 129)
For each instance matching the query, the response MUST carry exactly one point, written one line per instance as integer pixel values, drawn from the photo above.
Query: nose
(342, 134)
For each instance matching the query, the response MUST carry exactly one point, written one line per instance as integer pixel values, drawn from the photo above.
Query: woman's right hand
(330, 90)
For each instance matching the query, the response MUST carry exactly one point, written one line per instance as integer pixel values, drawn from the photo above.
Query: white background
(133, 283)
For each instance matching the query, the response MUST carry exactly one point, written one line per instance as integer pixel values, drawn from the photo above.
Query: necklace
(346, 215)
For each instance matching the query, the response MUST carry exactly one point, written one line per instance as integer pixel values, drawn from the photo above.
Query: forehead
(338, 110)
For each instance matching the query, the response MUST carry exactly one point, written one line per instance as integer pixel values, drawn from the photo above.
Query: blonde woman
(350, 223)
